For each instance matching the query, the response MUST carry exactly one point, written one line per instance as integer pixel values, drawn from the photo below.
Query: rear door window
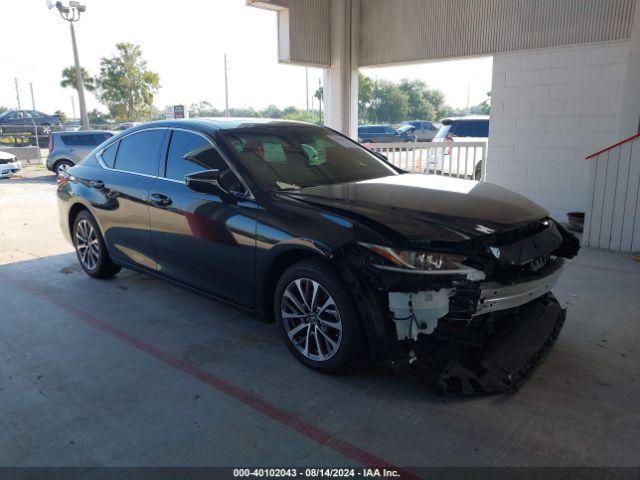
(139, 152)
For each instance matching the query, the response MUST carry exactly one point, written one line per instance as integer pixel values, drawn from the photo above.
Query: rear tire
(62, 166)
(317, 316)
(90, 248)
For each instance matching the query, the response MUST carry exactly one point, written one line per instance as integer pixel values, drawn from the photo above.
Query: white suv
(464, 161)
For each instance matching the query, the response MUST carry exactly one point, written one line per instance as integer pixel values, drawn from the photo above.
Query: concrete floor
(135, 372)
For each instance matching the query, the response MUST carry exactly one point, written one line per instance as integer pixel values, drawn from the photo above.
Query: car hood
(7, 156)
(427, 208)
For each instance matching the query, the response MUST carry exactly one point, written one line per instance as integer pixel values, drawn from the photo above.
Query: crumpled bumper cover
(508, 358)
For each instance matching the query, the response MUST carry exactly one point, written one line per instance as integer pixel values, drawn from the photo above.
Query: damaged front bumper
(473, 334)
(506, 359)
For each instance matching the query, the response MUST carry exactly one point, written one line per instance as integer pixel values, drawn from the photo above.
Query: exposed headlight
(426, 263)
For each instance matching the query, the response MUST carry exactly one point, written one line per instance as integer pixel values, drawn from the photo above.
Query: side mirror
(206, 181)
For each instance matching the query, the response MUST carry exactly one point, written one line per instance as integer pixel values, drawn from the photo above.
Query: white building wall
(549, 109)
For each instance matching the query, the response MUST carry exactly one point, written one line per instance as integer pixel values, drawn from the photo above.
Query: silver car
(68, 148)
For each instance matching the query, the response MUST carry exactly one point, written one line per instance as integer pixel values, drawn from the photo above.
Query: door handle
(160, 200)
(99, 184)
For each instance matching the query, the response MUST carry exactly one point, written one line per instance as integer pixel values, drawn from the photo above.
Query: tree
(125, 85)
(485, 106)
(272, 112)
(391, 104)
(61, 115)
(420, 107)
(319, 94)
(3, 109)
(96, 116)
(69, 79)
(365, 97)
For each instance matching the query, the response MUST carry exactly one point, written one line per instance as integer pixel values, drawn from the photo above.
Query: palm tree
(319, 95)
(69, 79)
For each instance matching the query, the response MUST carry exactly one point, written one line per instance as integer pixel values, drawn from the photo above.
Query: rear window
(85, 140)
(469, 128)
(109, 154)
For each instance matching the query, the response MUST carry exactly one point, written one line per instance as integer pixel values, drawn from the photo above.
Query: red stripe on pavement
(316, 434)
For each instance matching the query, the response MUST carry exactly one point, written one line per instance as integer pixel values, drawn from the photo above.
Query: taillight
(62, 178)
(50, 143)
(447, 150)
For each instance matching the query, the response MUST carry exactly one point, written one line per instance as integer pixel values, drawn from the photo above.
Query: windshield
(302, 156)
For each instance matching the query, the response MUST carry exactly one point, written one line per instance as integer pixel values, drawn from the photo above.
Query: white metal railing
(452, 159)
(612, 217)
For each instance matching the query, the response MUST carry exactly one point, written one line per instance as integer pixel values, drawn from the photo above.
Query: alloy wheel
(87, 244)
(311, 319)
(62, 168)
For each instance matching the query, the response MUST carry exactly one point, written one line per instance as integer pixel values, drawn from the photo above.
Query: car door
(120, 194)
(14, 122)
(390, 135)
(364, 133)
(377, 134)
(204, 240)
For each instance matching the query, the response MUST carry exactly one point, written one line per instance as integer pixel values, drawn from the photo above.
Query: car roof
(450, 120)
(376, 125)
(223, 123)
(81, 132)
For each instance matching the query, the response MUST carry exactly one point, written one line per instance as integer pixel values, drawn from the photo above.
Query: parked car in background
(68, 148)
(99, 123)
(346, 253)
(24, 126)
(461, 161)
(13, 120)
(425, 131)
(9, 164)
(71, 125)
(385, 134)
(125, 125)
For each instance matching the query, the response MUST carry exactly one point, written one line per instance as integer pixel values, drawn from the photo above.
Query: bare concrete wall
(549, 109)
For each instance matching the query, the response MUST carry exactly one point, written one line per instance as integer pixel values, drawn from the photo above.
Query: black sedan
(347, 253)
(25, 125)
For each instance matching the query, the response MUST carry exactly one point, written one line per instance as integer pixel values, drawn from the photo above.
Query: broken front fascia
(453, 290)
(418, 312)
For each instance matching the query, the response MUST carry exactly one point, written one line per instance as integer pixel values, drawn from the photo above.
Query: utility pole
(33, 101)
(226, 88)
(306, 74)
(320, 98)
(468, 94)
(71, 14)
(18, 94)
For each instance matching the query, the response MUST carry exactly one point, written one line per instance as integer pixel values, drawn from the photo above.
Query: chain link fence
(29, 141)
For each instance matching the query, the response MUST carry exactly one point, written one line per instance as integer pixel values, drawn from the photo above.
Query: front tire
(90, 248)
(318, 319)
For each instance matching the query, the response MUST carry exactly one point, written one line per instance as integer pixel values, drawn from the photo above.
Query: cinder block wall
(549, 109)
